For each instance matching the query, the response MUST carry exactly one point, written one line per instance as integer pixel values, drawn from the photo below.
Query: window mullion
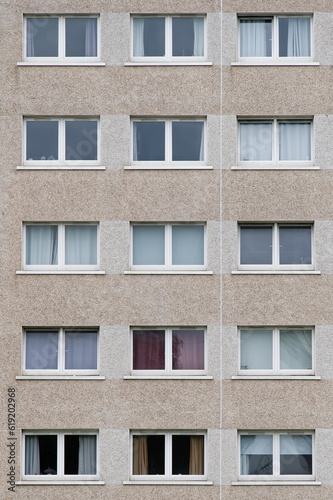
(168, 454)
(168, 350)
(61, 37)
(168, 246)
(276, 452)
(61, 245)
(168, 37)
(275, 48)
(61, 141)
(61, 455)
(275, 142)
(276, 350)
(168, 141)
(275, 245)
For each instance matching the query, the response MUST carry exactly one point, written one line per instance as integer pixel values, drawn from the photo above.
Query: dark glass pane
(181, 455)
(81, 37)
(295, 464)
(260, 464)
(71, 454)
(148, 350)
(294, 37)
(156, 454)
(42, 140)
(187, 36)
(187, 141)
(41, 350)
(256, 246)
(295, 245)
(42, 37)
(188, 350)
(149, 141)
(48, 454)
(153, 36)
(81, 140)
(295, 454)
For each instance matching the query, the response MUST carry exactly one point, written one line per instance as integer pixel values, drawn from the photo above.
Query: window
(168, 37)
(168, 455)
(66, 351)
(276, 246)
(170, 350)
(275, 37)
(276, 455)
(281, 351)
(61, 246)
(61, 38)
(275, 141)
(168, 141)
(168, 246)
(61, 141)
(59, 455)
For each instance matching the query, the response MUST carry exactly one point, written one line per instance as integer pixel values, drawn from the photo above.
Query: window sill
(275, 272)
(50, 271)
(60, 377)
(168, 272)
(274, 63)
(168, 167)
(60, 167)
(275, 167)
(276, 377)
(58, 483)
(168, 63)
(59, 63)
(276, 483)
(167, 377)
(166, 482)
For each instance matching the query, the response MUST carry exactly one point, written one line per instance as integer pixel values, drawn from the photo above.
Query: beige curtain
(140, 455)
(196, 455)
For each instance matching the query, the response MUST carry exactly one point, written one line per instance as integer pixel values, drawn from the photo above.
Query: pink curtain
(148, 350)
(188, 350)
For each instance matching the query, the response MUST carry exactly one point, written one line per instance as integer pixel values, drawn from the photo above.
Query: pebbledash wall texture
(166, 249)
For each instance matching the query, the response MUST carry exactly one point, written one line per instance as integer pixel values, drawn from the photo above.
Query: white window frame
(276, 162)
(61, 142)
(168, 456)
(276, 476)
(60, 456)
(61, 351)
(168, 352)
(61, 266)
(168, 142)
(168, 248)
(61, 39)
(276, 370)
(168, 57)
(275, 266)
(275, 40)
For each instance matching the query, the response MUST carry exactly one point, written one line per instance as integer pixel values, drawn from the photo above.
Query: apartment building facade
(166, 253)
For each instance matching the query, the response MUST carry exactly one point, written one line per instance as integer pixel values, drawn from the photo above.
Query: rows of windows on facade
(169, 351)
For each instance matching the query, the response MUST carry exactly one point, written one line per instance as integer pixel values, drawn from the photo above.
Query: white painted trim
(171, 483)
(167, 167)
(167, 377)
(60, 167)
(60, 377)
(168, 63)
(274, 167)
(276, 483)
(168, 272)
(275, 272)
(49, 271)
(274, 63)
(60, 63)
(276, 377)
(59, 483)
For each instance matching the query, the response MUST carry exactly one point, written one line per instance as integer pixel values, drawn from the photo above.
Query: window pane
(148, 350)
(188, 141)
(41, 455)
(81, 140)
(188, 349)
(256, 245)
(42, 37)
(80, 454)
(81, 245)
(188, 245)
(255, 142)
(148, 245)
(188, 36)
(148, 455)
(42, 140)
(148, 141)
(81, 37)
(256, 349)
(81, 351)
(295, 454)
(42, 245)
(187, 455)
(148, 36)
(294, 37)
(295, 349)
(294, 141)
(255, 38)
(295, 245)
(41, 351)
(257, 455)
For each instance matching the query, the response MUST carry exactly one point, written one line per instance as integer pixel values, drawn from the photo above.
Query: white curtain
(41, 351)
(294, 141)
(256, 142)
(81, 351)
(202, 144)
(261, 445)
(138, 37)
(256, 349)
(198, 28)
(253, 38)
(296, 349)
(87, 455)
(298, 44)
(81, 245)
(42, 245)
(91, 38)
(30, 38)
(32, 464)
(295, 444)
(135, 142)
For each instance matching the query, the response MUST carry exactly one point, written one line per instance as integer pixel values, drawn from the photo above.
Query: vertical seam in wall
(220, 329)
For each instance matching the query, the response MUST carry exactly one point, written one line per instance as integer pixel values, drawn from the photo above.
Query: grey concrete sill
(59, 63)
(276, 377)
(60, 167)
(168, 63)
(275, 63)
(168, 272)
(59, 483)
(60, 377)
(50, 271)
(275, 272)
(171, 482)
(167, 167)
(168, 377)
(275, 167)
(276, 483)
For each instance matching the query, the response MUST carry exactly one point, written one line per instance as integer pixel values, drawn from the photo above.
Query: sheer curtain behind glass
(199, 37)
(81, 245)
(81, 351)
(32, 463)
(87, 455)
(255, 38)
(295, 349)
(91, 38)
(41, 245)
(257, 455)
(138, 37)
(295, 141)
(298, 37)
